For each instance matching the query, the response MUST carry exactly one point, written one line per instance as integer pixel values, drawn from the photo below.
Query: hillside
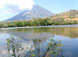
(35, 12)
(67, 16)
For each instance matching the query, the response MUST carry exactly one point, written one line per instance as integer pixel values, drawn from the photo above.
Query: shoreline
(41, 26)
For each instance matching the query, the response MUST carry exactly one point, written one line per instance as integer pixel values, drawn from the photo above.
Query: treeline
(37, 22)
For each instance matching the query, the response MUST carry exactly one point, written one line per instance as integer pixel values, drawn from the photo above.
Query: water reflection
(51, 49)
(71, 32)
(68, 36)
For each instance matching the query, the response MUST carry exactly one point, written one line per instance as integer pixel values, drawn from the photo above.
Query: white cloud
(21, 3)
(15, 5)
(7, 12)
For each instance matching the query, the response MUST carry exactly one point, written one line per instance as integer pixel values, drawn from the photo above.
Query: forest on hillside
(37, 22)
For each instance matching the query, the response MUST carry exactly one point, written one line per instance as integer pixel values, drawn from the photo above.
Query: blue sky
(57, 6)
(14, 7)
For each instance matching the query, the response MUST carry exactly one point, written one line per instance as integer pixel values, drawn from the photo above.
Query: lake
(67, 34)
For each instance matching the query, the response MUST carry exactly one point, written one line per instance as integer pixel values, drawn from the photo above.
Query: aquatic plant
(52, 50)
(13, 47)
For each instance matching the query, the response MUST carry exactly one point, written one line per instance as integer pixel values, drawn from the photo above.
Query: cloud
(11, 8)
(15, 5)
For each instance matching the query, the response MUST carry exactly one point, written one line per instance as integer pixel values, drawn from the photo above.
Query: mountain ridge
(35, 12)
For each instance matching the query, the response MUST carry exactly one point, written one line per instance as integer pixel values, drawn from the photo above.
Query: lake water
(68, 35)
